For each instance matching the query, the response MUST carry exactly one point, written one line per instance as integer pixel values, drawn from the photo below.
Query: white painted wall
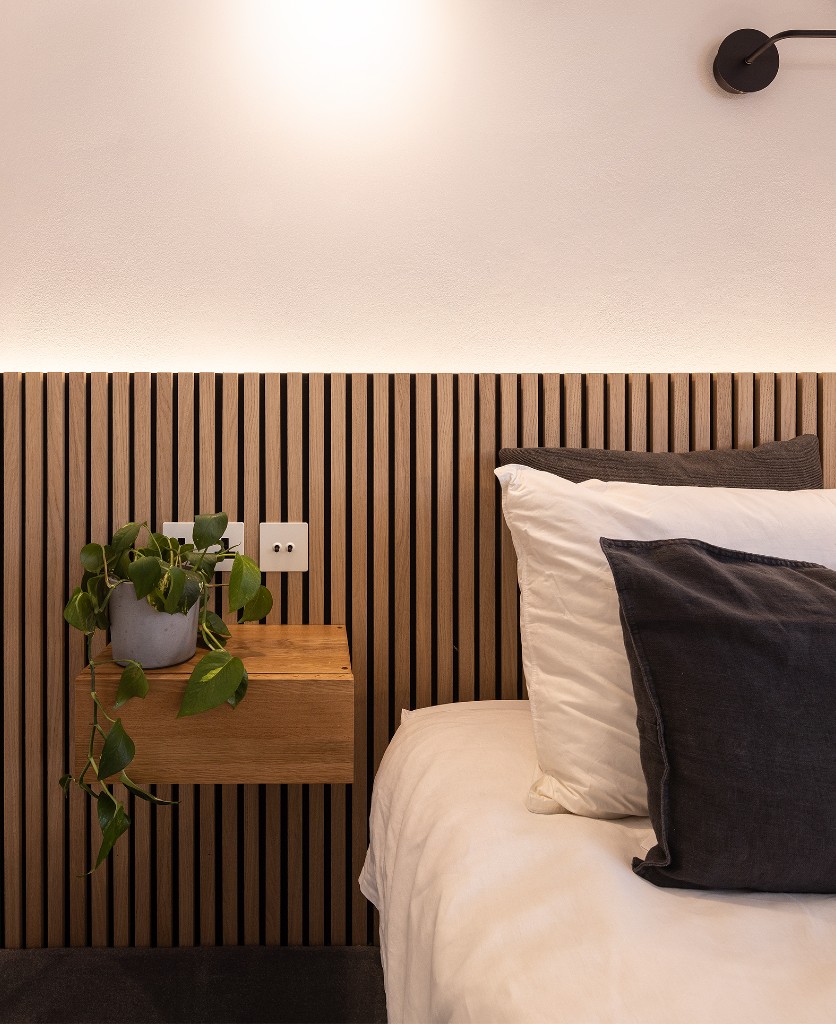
(503, 185)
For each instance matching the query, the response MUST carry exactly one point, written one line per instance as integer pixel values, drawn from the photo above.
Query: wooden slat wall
(408, 548)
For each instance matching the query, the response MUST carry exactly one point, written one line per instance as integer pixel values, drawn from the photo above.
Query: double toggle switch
(283, 547)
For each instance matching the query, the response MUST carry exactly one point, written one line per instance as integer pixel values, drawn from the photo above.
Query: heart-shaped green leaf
(117, 753)
(113, 821)
(213, 681)
(125, 538)
(176, 586)
(132, 683)
(64, 782)
(258, 606)
(79, 611)
(191, 589)
(240, 693)
(244, 581)
(92, 557)
(99, 592)
(204, 562)
(143, 794)
(145, 574)
(216, 624)
(208, 530)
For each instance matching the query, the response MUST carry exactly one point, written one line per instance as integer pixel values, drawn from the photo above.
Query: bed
(491, 913)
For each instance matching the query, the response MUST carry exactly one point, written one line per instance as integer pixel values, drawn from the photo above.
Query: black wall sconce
(747, 60)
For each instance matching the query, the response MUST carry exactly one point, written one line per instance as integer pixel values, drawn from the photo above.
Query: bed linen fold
(489, 913)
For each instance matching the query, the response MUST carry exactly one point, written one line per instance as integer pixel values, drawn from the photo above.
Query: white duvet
(491, 913)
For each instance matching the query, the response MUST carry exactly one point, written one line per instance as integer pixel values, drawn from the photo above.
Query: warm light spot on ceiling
(341, 59)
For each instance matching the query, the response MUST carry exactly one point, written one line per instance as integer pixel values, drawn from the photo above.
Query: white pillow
(575, 664)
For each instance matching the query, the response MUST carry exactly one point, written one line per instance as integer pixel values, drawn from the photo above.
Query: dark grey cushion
(793, 465)
(733, 659)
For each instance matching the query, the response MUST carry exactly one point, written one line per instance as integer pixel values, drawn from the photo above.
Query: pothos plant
(172, 577)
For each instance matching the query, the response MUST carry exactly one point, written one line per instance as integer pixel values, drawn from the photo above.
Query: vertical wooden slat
(316, 614)
(808, 403)
(573, 410)
(637, 389)
(616, 411)
(530, 404)
(13, 834)
(293, 432)
(99, 486)
(764, 403)
(380, 559)
(184, 813)
(595, 410)
(551, 410)
(250, 516)
(56, 669)
(164, 511)
(701, 412)
(209, 460)
(403, 543)
(722, 401)
(827, 426)
(486, 503)
(33, 648)
(786, 405)
(229, 793)
(465, 481)
(272, 796)
(120, 514)
(142, 512)
(659, 412)
(339, 498)
(422, 501)
(680, 412)
(744, 410)
(359, 626)
(509, 618)
(444, 514)
(294, 485)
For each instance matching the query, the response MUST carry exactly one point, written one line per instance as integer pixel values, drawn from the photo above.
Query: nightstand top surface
(275, 651)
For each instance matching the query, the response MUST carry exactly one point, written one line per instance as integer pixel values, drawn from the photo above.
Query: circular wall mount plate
(733, 74)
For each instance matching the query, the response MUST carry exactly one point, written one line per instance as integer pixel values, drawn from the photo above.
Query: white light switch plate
(292, 542)
(233, 535)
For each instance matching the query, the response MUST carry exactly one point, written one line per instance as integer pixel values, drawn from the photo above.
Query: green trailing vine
(172, 577)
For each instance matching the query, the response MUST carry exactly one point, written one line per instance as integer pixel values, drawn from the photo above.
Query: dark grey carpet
(213, 984)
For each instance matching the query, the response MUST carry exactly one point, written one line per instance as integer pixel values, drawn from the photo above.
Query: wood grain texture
(165, 483)
(296, 725)
(184, 818)
(13, 635)
(57, 689)
(408, 550)
(140, 835)
(33, 653)
(120, 497)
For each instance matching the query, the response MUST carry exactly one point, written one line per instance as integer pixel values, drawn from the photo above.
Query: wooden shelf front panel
(296, 724)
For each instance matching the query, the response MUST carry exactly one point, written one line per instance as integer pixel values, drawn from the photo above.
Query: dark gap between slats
(432, 554)
(454, 568)
(371, 592)
(477, 532)
(497, 544)
(349, 621)
(88, 851)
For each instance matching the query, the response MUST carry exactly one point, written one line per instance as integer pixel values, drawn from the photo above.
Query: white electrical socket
(283, 547)
(233, 535)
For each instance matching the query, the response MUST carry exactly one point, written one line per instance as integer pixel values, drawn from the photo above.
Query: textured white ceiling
(512, 185)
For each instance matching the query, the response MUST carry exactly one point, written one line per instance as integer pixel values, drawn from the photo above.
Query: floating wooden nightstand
(295, 725)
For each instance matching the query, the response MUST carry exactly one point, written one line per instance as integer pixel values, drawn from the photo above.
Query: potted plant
(154, 597)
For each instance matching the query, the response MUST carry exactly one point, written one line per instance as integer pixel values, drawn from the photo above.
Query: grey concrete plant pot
(140, 633)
